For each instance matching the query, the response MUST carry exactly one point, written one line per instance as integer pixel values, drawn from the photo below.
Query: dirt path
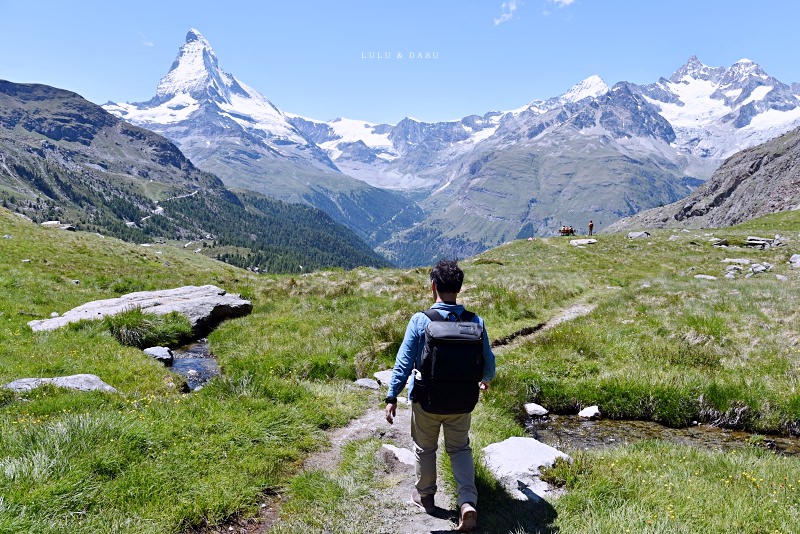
(394, 511)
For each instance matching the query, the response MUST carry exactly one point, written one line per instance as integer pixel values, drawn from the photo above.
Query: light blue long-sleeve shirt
(410, 353)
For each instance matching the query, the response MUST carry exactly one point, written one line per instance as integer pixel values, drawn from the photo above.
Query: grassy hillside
(660, 345)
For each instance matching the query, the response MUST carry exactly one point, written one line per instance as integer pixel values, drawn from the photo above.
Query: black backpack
(452, 364)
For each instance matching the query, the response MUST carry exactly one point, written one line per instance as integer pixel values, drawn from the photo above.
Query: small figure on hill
(591, 227)
(444, 389)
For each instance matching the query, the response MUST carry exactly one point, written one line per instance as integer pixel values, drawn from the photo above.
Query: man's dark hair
(447, 276)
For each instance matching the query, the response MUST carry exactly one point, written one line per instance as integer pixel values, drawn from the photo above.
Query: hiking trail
(393, 511)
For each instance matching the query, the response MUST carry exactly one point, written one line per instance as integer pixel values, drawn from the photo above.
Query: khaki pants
(425, 433)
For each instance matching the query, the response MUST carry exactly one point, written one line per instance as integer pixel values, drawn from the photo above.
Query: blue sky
(313, 58)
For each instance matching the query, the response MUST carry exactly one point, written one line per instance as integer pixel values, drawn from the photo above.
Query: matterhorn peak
(195, 71)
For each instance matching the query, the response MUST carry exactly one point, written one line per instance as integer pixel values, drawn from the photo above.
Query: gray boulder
(204, 306)
(367, 383)
(516, 462)
(384, 377)
(795, 260)
(638, 235)
(82, 382)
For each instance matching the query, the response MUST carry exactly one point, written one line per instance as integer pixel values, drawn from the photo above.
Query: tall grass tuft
(136, 328)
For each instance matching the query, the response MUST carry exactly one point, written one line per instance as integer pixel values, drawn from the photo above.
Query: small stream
(570, 432)
(196, 363)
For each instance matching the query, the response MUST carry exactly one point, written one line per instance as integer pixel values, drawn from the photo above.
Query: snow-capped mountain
(228, 128)
(713, 111)
(717, 112)
(402, 156)
(197, 102)
(593, 152)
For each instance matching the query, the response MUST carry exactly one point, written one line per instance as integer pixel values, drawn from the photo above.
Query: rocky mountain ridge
(754, 182)
(456, 188)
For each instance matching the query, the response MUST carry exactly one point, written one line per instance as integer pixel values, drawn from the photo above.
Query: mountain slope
(754, 182)
(233, 131)
(62, 157)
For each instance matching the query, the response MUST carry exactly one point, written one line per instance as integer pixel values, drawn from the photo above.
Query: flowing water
(196, 363)
(570, 432)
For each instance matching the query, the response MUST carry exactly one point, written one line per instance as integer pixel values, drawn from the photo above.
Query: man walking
(458, 396)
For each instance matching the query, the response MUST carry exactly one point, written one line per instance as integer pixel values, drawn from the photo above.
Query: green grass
(655, 487)
(659, 345)
(136, 328)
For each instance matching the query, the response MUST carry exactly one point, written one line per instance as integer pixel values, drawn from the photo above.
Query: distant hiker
(447, 379)
(591, 227)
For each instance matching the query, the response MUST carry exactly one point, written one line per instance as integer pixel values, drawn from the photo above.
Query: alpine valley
(65, 159)
(418, 191)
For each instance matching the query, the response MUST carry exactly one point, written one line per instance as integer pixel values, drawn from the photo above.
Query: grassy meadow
(660, 345)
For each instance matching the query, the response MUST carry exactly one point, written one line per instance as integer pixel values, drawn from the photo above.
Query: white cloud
(508, 11)
(145, 41)
(562, 3)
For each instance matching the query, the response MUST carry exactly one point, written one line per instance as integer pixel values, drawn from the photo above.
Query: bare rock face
(205, 306)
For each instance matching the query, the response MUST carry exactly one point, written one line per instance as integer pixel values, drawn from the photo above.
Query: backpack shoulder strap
(433, 315)
(465, 317)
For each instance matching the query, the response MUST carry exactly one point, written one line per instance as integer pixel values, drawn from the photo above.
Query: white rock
(638, 235)
(705, 277)
(532, 408)
(592, 412)
(384, 378)
(162, 354)
(404, 456)
(740, 261)
(516, 462)
(581, 242)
